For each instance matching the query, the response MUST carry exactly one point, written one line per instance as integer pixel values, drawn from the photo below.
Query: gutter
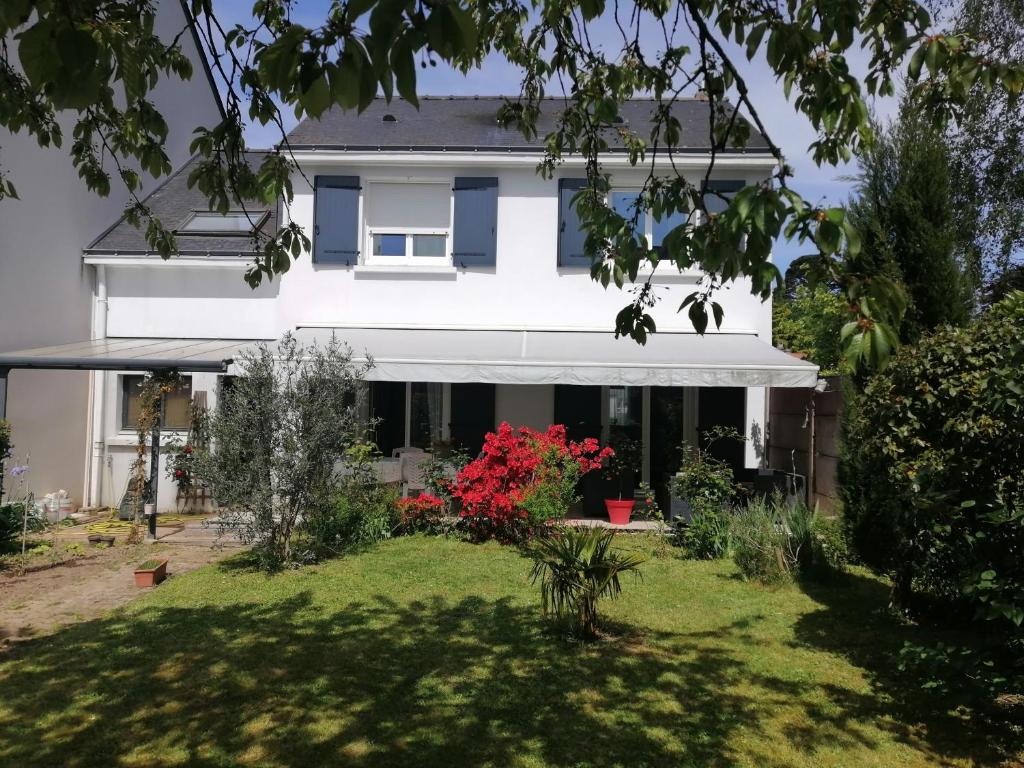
(98, 394)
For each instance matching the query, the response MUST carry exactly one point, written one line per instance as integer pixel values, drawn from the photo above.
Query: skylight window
(230, 223)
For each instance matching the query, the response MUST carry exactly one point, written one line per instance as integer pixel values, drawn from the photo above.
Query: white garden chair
(412, 461)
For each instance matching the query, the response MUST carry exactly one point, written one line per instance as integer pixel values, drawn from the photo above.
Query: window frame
(409, 259)
(692, 220)
(406, 430)
(123, 397)
(257, 219)
(648, 217)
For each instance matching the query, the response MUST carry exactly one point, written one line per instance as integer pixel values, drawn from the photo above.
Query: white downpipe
(99, 331)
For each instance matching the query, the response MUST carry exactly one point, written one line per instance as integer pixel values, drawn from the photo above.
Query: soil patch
(39, 602)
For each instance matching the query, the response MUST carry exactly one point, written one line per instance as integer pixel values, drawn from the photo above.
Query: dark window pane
(130, 406)
(425, 422)
(178, 407)
(661, 228)
(177, 404)
(387, 408)
(389, 245)
(579, 409)
(472, 415)
(719, 193)
(667, 408)
(624, 204)
(431, 246)
(723, 407)
(625, 406)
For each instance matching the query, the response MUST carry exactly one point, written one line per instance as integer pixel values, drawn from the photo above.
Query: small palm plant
(576, 568)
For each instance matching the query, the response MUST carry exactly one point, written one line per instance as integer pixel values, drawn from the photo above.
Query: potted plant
(622, 467)
(646, 504)
(151, 572)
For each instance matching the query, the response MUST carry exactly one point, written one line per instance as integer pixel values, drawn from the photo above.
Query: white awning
(569, 357)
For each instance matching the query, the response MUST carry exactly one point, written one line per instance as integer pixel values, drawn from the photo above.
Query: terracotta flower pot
(619, 510)
(150, 577)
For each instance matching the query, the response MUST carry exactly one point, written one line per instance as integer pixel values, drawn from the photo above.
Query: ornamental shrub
(932, 479)
(423, 514)
(522, 479)
(704, 482)
(364, 509)
(774, 539)
(280, 439)
(761, 545)
(705, 536)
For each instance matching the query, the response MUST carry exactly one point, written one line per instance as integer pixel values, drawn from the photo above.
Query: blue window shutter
(571, 237)
(336, 220)
(728, 187)
(475, 235)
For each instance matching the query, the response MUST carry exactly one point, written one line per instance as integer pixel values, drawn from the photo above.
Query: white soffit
(569, 357)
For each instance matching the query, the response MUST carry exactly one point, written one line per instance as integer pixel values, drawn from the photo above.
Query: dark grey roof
(173, 203)
(469, 123)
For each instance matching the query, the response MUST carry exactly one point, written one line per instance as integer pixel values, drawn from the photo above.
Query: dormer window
(230, 223)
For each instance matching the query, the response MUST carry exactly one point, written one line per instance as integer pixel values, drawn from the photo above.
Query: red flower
(492, 488)
(178, 474)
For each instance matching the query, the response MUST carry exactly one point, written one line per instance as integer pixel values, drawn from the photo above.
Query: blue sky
(791, 131)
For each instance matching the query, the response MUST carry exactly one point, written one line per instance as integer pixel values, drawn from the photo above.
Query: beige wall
(46, 291)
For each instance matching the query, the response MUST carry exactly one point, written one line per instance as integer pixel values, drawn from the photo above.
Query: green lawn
(430, 652)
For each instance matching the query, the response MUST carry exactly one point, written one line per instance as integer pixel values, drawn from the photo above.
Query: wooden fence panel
(803, 437)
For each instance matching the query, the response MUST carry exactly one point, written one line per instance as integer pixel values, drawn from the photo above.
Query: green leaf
(403, 63)
(317, 98)
(699, 317)
(754, 39)
(77, 50)
(345, 77)
(916, 61)
(718, 312)
(36, 53)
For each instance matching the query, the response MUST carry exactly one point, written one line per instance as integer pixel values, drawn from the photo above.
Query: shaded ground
(430, 652)
(39, 602)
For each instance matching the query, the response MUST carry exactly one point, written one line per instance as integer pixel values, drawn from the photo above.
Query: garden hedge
(933, 470)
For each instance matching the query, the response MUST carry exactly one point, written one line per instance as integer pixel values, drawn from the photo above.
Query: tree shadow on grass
(430, 683)
(855, 622)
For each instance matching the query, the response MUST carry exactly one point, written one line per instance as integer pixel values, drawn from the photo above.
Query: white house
(47, 295)
(439, 251)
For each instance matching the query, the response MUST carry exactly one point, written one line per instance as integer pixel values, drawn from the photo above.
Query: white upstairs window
(408, 222)
(623, 202)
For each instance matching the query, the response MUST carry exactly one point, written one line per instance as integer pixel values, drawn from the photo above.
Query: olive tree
(278, 437)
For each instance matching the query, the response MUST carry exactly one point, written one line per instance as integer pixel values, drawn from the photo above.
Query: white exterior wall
(525, 289)
(45, 290)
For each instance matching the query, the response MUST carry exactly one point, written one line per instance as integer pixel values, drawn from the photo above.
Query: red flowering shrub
(523, 479)
(424, 513)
